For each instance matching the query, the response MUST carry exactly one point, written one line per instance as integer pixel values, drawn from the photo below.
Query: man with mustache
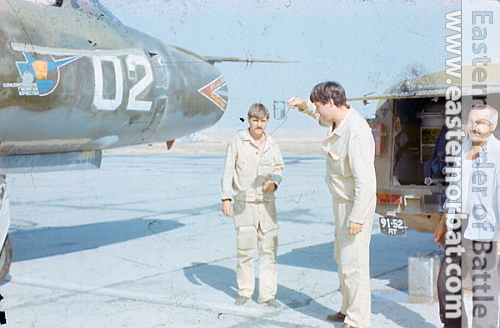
(477, 231)
(252, 173)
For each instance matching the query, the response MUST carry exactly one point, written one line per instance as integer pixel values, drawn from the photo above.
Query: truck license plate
(392, 226)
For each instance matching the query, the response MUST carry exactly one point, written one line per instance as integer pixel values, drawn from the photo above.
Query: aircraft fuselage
(76, 80)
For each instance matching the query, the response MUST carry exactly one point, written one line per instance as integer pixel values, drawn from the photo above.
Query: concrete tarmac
(142, 243)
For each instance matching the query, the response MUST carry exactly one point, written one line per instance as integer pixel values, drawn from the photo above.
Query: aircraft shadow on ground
(387, 254)
(402, 316)
(300, 160)
(224, 280)
(299, 216)
(44, 242)
(388, 258)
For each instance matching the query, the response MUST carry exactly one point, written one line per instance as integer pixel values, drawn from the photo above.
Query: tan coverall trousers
(352, 254)
(256, 224)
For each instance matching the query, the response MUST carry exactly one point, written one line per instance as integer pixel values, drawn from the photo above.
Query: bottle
(279, 109)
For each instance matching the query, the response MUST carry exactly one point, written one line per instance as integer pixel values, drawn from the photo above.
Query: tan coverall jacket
(350, 172)
(246, 171)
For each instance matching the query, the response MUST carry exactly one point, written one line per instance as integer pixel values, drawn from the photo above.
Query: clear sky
(367, 46)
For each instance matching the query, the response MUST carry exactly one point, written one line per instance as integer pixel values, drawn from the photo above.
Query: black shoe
(337, 317)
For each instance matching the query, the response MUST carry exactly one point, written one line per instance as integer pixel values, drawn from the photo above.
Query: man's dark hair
(325, 91)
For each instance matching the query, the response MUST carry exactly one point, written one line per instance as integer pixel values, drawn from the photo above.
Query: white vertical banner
(481, 46)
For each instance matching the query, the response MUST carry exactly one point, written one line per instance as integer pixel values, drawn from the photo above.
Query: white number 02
(132, 62)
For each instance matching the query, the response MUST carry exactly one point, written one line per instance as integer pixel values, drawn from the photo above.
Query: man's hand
(355, 228)
(440, 232)
(299, 103)
(269, 186)
(227, 208)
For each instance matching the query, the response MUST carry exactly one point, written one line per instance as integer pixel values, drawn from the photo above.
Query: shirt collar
(342, 126)
(468, 144)
(245, 135)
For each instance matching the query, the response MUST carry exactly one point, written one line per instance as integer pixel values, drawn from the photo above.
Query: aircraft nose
(197, 94)
(216, 91)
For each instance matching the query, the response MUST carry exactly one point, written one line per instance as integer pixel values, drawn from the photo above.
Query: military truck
(409, 130)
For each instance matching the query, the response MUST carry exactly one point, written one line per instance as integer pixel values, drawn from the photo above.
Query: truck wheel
(5, 258)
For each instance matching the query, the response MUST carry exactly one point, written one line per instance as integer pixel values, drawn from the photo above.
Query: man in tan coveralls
(252, 173)
(350, 176)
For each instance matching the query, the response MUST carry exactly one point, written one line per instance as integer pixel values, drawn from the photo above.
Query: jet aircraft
(74, 81)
